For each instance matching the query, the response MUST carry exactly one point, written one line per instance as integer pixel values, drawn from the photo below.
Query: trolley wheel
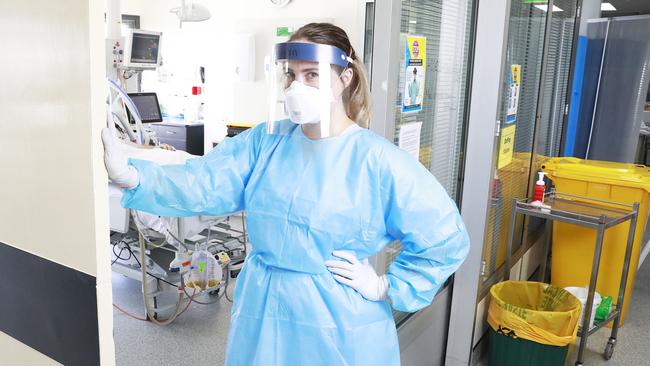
(609, 351)
(215, 292)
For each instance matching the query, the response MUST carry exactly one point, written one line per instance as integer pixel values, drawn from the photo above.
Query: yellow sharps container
(573, 246)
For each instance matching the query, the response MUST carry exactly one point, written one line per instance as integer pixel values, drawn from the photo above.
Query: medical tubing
(117, 255)
(169, 320)
(150, 274)
(135, 113)
(122, 248)
(152, 244)
(188, 304)
(147, 305)
(178, 240)
(131, 254)
(243, 224)
(157, 246)
(146, 320)
(225, 290)
(125, 127)
(129, 314)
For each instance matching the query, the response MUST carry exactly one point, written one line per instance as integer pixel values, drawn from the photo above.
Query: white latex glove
(119, 171)
(358, 275)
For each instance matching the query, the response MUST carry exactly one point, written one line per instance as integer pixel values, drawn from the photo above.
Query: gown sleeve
(211, 185)
(419, 213)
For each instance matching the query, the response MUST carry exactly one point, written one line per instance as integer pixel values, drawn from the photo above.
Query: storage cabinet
(186, 137)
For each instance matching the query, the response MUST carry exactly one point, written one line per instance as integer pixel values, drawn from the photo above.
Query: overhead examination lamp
(190, 11)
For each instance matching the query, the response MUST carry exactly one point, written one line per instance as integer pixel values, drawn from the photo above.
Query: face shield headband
(297, 51)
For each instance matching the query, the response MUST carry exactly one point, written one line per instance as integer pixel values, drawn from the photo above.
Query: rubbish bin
(573, 246)
(531, 323)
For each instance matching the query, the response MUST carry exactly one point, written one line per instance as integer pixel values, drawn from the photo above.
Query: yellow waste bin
(573, 246)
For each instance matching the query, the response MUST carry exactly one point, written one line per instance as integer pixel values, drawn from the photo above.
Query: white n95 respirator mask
(303, 103)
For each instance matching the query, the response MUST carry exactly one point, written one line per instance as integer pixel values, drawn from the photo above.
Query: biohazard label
(520, 312)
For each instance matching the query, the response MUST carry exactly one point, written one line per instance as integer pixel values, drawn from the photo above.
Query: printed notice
(409, 138)
(506, 146)
(514, 81)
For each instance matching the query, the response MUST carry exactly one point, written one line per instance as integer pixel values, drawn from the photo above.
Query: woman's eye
(312, 76)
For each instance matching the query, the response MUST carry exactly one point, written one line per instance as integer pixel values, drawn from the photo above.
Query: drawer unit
(171, 131)
(184, 137)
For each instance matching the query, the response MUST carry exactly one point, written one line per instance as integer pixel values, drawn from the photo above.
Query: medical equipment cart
(592, 213)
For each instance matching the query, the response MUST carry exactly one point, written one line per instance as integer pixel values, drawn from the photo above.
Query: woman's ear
(346, 77)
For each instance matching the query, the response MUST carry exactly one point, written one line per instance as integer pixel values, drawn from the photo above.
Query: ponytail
(357, 97)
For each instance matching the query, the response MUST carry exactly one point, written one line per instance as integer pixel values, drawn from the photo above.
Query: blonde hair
(356, 97)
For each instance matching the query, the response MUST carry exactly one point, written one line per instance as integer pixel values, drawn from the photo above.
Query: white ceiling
(628, 7)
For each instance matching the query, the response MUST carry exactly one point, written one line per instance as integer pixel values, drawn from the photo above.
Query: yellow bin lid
(240, 124)
(621, 174)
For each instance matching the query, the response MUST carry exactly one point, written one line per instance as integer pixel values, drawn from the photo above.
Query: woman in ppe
(322, 194)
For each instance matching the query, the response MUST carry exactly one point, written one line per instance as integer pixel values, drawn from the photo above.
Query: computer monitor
(142, 49)
(148, 107)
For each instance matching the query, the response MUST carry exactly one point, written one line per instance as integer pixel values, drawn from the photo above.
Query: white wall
(52, 191)
(209, 43)
(13, 352)
(47, 189)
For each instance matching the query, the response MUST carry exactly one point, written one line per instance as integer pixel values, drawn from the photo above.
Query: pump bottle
(540, 188)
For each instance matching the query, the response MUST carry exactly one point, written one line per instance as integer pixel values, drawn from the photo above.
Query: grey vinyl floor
(198, 337)
(632, 346)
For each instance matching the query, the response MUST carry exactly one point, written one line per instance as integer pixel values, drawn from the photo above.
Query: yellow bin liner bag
(534, 311)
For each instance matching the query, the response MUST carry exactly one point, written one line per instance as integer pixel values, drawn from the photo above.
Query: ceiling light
(413, 21)
(607, 7)
(544, 7)
(191, 12)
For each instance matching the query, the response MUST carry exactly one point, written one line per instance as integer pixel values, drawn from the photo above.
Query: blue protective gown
(305, 198)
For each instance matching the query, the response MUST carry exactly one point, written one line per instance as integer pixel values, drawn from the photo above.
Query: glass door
(532, 110)
(432, 89)
(421, 64)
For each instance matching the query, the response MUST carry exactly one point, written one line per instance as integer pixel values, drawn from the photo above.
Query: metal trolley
(596, 214)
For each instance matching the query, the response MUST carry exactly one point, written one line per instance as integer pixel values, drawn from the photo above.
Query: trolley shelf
(596, 327)
(588, 212)
(577, 210)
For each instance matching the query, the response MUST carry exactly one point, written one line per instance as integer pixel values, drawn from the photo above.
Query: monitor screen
(144, 48)
(148, 107)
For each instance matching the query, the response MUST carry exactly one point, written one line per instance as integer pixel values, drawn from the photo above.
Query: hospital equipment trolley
(587, 212)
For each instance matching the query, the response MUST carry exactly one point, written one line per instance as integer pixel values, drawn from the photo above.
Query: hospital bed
(163, 244)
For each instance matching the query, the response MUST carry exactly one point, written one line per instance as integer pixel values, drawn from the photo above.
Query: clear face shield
(304, 80)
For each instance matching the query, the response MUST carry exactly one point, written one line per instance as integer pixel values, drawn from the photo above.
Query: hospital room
(311, 182)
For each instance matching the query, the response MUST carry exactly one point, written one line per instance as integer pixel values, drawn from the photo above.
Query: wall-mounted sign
(514, 82)
(415, 70)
